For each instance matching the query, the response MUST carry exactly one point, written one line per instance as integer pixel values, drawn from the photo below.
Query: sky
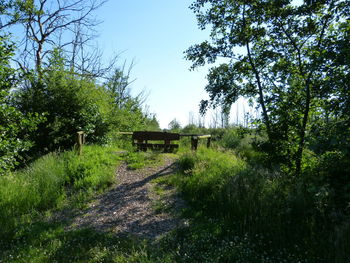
(155, 34)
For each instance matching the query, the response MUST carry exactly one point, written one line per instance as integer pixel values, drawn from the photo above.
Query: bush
(13, 124)
(70, 103)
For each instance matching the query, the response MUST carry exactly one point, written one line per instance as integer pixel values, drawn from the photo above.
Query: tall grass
(45, 183)
(94, 169)
(274, 210)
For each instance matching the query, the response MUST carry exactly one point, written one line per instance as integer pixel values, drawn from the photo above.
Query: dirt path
(128, 208)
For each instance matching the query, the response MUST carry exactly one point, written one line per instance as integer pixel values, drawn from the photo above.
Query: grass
(64, 181)
(237, 212)
(95, 169)
(265, 215)
(50, 242)
(51, 182)
(138, 160)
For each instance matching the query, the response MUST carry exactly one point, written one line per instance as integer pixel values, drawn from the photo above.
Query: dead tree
(50, 24)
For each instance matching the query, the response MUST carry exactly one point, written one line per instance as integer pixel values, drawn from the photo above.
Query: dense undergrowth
(252, 214)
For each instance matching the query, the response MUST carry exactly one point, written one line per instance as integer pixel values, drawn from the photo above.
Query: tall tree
(276, 53)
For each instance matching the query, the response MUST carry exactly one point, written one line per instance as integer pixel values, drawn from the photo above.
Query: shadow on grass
(50, 242)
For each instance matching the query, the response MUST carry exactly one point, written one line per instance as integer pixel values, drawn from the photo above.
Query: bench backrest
(155, 136)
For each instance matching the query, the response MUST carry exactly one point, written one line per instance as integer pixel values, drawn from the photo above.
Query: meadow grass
(237, 212)
(138, 160)
(232, 199)
(49, 182)
(51, 242)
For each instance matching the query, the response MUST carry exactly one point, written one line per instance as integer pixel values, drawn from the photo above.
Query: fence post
(194, 143)
(208, 142)
(80, 142)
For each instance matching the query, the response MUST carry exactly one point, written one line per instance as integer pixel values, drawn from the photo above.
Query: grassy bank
(254, 215)
(52, 182)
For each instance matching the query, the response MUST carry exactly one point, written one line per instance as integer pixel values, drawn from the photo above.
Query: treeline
(50, 89)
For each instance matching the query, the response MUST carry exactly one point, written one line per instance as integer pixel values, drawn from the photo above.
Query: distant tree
(174, 125)
(119, 85)
(280, 63)
(151, 123)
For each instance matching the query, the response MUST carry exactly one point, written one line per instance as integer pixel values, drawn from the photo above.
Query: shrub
(69, 102)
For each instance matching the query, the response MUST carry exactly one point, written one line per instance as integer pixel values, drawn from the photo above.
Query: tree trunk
(299, 154)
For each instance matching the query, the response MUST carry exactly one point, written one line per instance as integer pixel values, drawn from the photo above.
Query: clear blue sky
(155, 33)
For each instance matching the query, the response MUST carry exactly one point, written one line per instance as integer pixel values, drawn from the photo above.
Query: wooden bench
(141, 140)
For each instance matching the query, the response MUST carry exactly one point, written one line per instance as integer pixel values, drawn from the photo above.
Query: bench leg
(208, 142)
(194, 144)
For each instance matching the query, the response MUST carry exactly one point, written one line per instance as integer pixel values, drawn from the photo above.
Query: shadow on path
(127, 208)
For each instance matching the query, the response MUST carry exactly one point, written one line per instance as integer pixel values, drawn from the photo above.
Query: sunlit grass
(51, 181)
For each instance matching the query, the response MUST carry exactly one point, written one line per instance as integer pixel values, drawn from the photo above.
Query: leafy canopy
(279, 54)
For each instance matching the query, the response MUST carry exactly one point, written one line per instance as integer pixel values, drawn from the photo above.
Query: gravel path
(128, 208)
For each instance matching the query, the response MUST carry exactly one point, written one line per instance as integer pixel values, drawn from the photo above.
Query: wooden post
(166, 146)
(208, 142)
(80, 141)
(194, 143)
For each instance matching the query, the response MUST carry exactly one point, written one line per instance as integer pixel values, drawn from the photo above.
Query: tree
(70, 104)
(47, 25)
(119, 85)
(174, 125)
(14, 125)
(128, 112)
(275, 53)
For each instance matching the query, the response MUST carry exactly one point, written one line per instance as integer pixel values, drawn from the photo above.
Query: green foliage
(69, 103)
(94, 169)
(275, 212)
(53, 242)
(293, 64)
(174, 125)
(36, 188)
(137, 160)
(208, 176)
(244, 143)
(193, 129)
(127, 113)
(209, 241)
(72, 103)
(14, 125)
